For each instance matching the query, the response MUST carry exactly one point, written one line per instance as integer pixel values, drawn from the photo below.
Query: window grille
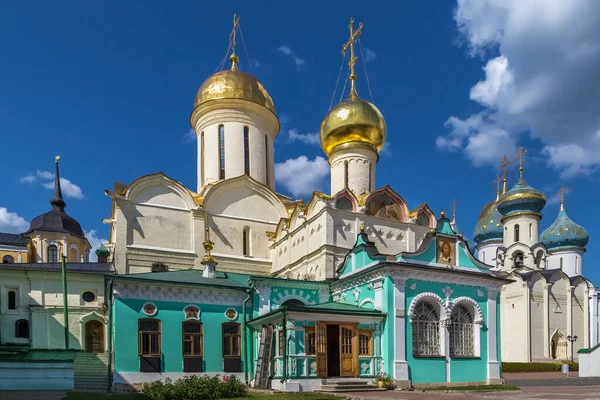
(461, 332)
(365, 347)
(52, 254)
(231, 339)
(192, 339)
(426, 330)
(149, 337)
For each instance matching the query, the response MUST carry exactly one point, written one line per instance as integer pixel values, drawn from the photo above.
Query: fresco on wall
(343, 203)
(383, 206)
(446, 252)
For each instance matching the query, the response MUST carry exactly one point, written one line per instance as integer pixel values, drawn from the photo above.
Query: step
(351, 389)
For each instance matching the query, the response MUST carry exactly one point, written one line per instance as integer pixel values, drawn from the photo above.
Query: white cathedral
(258, 231)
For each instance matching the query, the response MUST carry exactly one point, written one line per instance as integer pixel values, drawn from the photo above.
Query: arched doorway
(293, 303)
(558, 346)
(94, 336)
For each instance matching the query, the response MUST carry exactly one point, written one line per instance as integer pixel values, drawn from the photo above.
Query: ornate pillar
(546, 320)
(492, 342)
(399, 332)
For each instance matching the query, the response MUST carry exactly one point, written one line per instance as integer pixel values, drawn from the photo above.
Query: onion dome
(56, 220)
(564, 233)
(522, 198)
(489, 226)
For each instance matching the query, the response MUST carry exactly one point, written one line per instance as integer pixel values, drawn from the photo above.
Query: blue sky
(110, 86)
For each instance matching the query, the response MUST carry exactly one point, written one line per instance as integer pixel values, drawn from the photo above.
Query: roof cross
(350, 43)
(454, 204)
(521, 155)
(561, 192)
(232, 39)
(497, 182)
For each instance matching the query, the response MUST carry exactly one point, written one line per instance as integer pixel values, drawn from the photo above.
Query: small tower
(565, 241)
(352, 134)
(235, 123)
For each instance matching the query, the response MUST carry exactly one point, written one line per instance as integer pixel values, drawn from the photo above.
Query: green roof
(339, 307)
(39, 355)
(193, 277)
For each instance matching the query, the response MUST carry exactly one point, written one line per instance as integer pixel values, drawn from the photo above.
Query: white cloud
(287, 50)
(301, 176)
(189, 136)
(284, 119)
(540, 65)
(10, 222)
(386, 149)
(370, 55)
(306, 138)
(29, 179)
(44, 174)
(69, 189)
(95, 242)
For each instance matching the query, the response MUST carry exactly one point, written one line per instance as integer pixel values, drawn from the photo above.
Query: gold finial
(454, 204)
(56, 159)
(443, 213)
(520, 155)
(497, 182)
(505, 163)
(561, 192)
(208, 244)
(234, 58)
(350, 43)
(362, 228)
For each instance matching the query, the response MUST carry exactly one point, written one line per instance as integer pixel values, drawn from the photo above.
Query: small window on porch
(309, 340)
(365, 343)
(281, 342)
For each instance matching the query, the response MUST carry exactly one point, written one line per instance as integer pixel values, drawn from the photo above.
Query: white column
(527, 321)
(39, 248)
(586, 319)
(546, 320)
(492, 342)
(569, 319)
(378, 289)
(400, 364)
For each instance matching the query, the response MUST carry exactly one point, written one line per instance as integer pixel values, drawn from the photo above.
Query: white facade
(569, 260)
(353, 169)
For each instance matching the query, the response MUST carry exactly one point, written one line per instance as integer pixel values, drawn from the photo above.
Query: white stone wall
(571, 261)
(514, 322)
(486, 252)
(361, 178)
(528, 230)
(536, 299)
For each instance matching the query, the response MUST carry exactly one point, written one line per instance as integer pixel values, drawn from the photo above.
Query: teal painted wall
(433, 370)
(125, 328)
(279, 294)
(388, 326)
(366, 297)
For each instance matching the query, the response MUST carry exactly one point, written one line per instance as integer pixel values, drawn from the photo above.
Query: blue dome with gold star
(564, 233)
(522, 198)
(488, 226)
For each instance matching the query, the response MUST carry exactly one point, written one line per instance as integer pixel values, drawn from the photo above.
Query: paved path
(527, 393)
(32, 395)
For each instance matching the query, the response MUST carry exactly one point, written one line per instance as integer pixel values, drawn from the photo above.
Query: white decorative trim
(192, 318)
(235, 316)
(478, 314)
(153, 305)
(368, 300)
(166, 249)
(432, 296)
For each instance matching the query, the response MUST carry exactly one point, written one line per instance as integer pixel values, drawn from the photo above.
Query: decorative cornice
(164, 292)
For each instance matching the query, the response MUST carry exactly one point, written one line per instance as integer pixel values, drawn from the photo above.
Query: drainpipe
(109, 297)
(245, 334)
(284, 328)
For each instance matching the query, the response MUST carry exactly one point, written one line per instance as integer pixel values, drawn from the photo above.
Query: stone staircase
(90, 372)
(348, 385)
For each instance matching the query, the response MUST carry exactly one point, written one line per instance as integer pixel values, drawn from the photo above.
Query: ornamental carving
(158, 292)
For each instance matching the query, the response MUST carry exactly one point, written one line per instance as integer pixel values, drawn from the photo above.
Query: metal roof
(80, 268)
(13, 239)
(193, 277)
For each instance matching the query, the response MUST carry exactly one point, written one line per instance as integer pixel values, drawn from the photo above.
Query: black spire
(57, 200)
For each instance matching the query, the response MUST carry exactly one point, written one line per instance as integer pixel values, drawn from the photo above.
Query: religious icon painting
(446, 251)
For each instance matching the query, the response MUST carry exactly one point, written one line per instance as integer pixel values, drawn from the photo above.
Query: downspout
(284, 329)
(245, 334)
(110, 325)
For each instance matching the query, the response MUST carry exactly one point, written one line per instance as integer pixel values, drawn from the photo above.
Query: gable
(160, 195)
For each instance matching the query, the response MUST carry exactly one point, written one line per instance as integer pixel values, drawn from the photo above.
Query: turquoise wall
(433, 370)
(366, 297)
(388, 326)
(125, 327)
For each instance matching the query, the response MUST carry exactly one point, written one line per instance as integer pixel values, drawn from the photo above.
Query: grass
(252, 395)
(482, 388)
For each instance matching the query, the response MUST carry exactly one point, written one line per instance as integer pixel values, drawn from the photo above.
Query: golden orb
(236, 84)
(353, 121)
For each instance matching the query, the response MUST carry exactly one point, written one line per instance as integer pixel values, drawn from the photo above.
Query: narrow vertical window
(246, 241)
(22, 328)
(52, 254)
(12, 299)
(577, 265)
(232, 361)
(267, 168)
(281, 341)
(365, 343)
(345, 174)
(246, 150)
(309, 340)
(516, 232)
(530, 231)
(202, 157)
(561, 264)
(483, 256)
(221, 152)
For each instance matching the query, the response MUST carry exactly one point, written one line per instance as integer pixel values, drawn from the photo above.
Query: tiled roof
(13, 239)
(194, 277)
(82, 268)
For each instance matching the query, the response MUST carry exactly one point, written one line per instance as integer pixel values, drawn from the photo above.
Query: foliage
(196, 388)
(481, 388)
(387, 380)
(249, 396)
(103, 396)
(537, 366)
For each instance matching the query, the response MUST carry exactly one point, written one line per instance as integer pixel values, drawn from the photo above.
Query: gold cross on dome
(454, 204)
(520, 155)
(350, 43)
(497, 182)
(505, 163)
(56, 158)
(232, 39)
(561, 192)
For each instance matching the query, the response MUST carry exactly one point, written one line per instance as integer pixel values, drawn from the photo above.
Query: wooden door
(321, 348)
(348, 350)
(94, 337)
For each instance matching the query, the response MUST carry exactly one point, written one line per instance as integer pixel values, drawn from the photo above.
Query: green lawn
(256, 396)
(482, 388)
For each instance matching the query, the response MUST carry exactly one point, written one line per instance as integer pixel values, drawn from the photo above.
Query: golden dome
(234, 84)
(353, 121)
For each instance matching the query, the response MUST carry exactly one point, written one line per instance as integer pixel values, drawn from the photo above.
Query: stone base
(403, 384)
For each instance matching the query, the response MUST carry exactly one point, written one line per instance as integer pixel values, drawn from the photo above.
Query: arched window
(246, 241)
(518, 258)
(267, 160)
(462, 338)
(343, 203)
(52, 253)
(12, 299)
(8, 260)
(426, 330)
(246, 150)
(422, 219)
(346, 173)
(22, 328)
(293, 303)
(221, 152)
(202, 157)
(516, 232)
(383, 206)
(74, 255)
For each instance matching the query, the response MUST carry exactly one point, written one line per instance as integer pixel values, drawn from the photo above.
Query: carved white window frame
(144, 309)
(191, 318)
(478, 321)
(443, 315)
